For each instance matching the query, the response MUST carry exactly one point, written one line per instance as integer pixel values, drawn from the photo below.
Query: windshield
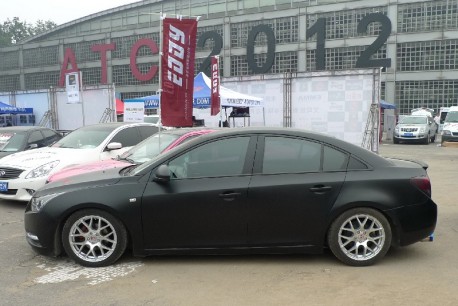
(84, 138)
(11, 141)
(414, 120)
(149, 148)
(452, 117)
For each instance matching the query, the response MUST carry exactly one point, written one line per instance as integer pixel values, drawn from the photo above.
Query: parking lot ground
(425, 273)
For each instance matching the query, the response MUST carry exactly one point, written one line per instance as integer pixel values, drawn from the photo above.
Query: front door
(204, 205)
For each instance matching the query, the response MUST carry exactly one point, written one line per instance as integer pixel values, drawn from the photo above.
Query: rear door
(295, 185)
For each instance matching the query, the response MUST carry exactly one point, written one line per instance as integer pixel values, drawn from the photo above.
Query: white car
(21, 174)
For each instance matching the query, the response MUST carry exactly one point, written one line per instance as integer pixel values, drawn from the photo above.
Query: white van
(450, 128)
(443, 111)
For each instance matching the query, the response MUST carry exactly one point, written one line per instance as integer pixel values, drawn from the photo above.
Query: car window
(355, 164)
(290, 155)
(11, 142)
(147, 131)
(84, 138)
(35, 137)
(224, 157)
(49, 133)
(334, 160)
(128, 137)
(149, 148)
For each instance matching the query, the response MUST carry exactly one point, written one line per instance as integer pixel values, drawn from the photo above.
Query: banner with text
(177, 69)
(215, 98)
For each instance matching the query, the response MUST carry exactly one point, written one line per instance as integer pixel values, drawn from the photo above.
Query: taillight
(423, 183)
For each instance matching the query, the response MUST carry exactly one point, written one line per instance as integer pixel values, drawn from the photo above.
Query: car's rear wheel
(360, 236)
(94, 238)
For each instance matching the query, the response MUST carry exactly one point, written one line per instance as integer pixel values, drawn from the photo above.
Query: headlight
(422, 130)
(396, 128)
(36, 204)
(42, 170)
(446, 132)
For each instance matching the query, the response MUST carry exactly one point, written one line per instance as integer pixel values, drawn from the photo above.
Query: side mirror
(162, 174)
(32, 146)
(114, 146)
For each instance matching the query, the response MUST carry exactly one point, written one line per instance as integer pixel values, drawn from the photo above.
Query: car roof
(22, 128)
(364, 154)
(114, 125)
(183, 131)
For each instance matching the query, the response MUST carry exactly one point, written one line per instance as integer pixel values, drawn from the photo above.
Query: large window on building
(41, 80)
(284, 62)
(9, 60)
(43, 56)
(124, 45)
(428, 16)
(9, 83)
(431, 93)
(286, 31)
(122, 75)
(428, 55)
(341, 58)
(344, 24)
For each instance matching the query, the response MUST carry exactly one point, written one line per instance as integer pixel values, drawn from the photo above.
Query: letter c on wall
(133, 59)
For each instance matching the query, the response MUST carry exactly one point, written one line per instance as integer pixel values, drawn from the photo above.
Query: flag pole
(159, 92)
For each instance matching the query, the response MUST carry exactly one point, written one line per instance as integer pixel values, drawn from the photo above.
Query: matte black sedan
(249, 190)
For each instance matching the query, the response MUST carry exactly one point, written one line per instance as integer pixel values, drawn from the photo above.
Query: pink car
(142, 152)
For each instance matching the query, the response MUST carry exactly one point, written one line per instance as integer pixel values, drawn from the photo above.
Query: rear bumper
(414, 222)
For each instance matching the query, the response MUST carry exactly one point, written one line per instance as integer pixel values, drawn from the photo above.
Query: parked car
(21, 138)
(247, 190)
(21, 174)
(415, 128)
(142, 152)
(450, 127)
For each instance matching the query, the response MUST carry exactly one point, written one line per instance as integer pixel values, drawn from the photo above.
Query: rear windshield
(85, 137)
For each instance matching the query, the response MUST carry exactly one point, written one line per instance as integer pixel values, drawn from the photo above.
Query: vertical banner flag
(177, 71)
(215, 99)
(72, 86)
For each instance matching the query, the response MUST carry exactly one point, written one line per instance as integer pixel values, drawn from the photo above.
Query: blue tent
(8, 109)
(386, 105)
(202, 96)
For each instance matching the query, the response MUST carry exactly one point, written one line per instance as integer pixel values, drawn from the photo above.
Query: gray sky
(59, 11)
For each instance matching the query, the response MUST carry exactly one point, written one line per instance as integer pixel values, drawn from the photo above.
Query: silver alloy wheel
(92, 238)
(361, 237)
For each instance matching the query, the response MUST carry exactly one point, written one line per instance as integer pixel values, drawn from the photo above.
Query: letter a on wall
(177, 71)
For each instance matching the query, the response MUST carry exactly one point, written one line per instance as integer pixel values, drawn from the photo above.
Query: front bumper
(42, 232)
(21, 189)
(449, 138)
(414, 137)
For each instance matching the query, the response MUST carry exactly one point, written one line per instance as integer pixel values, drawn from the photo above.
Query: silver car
(414, 128)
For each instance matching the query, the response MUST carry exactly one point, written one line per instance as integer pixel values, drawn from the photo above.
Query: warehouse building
(414, 41)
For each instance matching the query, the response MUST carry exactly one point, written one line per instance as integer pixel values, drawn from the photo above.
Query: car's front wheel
(94, 238)
(360, 236)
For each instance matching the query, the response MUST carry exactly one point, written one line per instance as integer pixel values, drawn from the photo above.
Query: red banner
(215, 99)
(177, 71)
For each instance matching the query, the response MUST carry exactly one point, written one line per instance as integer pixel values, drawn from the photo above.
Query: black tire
(426, 140)
(102, 246)
(356, 247)
(395, 140)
